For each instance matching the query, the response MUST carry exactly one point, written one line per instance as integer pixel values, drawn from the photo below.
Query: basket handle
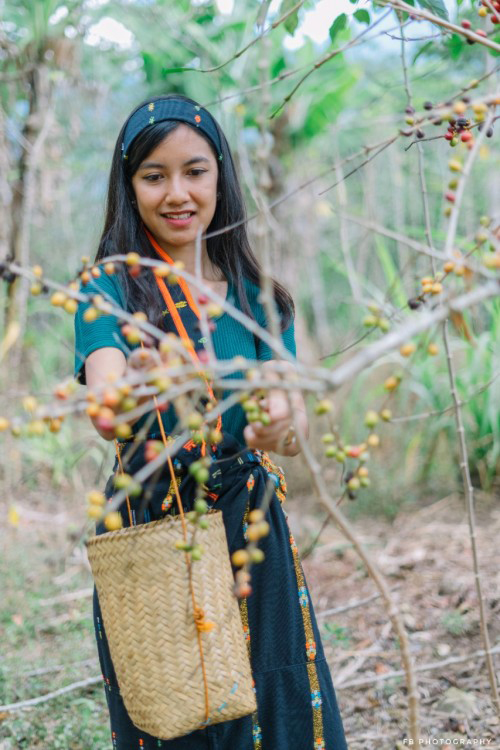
(198, 614)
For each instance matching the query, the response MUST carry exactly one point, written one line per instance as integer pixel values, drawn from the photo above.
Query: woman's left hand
(272, 437)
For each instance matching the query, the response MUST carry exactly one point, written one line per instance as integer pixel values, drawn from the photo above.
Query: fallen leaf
(457, 703)
(13, 516)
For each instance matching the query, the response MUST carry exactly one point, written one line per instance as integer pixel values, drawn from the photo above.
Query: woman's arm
(99, 365)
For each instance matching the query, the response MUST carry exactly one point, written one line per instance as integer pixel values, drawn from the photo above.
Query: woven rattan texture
(143, 588)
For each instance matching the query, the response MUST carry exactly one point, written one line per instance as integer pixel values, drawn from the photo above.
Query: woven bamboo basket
(143, 587)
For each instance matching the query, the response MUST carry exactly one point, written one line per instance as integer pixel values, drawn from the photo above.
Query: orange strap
(181, 330)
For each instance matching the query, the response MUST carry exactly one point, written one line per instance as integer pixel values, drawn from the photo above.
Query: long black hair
(123, 230)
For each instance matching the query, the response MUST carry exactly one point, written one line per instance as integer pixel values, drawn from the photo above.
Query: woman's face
(176, 188)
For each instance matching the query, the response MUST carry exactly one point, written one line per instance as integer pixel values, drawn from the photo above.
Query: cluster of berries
(96, 502)
(375, 318)
(491, 7)
(38, 421)
(257, 529)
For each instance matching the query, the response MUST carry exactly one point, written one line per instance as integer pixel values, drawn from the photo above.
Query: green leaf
(423, 49)
(167, 71)
(492, 51)
(338, 25)
(455, 45)
(435, 6)
(362, 16)
(292, 21)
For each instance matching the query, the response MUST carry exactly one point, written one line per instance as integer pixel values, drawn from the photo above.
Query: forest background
(330, 115)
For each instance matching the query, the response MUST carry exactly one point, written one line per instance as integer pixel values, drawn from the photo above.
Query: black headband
(171, 109)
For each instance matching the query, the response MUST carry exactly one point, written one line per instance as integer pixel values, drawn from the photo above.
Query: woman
(172, 175)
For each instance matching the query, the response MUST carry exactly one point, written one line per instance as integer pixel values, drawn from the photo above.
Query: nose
(177, 191)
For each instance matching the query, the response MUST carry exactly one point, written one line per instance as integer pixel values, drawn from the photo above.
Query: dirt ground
(425, 555)
(427, 560)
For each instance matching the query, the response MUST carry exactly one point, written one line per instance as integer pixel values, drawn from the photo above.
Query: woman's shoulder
(108, 285)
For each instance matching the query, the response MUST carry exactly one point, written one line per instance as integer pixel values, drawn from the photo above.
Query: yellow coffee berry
(92, 410)
(29, 404)
(323, 407)
(257, 555)
(4, 424)
(36, 428)
(36, 288)
(132, 259)
(407, 349)
(109, 268)
(437, 288)
(162, 270)
(94, 512)
(96, 498)
(391, 383)
(90, 314)
(214, 310)
(373, 440)
(256, 515)
(240, 558)
(460, 107)
(71, 306)
(448, 266)
(432, 349)
(123, 430)
(55, 425)
(58, 299)
(113, 521)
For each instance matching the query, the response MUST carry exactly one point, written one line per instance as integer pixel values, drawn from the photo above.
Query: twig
(50, 696)
(346, 607)
(469, 501)
(420, 668)
(69, 597)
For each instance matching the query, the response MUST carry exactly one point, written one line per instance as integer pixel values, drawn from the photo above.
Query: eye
(152, 177)
(196, 171)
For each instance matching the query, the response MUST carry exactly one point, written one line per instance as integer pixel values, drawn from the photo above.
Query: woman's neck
(187, 255)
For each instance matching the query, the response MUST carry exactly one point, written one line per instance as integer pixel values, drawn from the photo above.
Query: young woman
(172, 175)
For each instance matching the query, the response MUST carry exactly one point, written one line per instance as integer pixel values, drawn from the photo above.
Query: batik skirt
(296, 702)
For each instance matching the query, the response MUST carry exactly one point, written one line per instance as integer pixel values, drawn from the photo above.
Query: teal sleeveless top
(230, 339)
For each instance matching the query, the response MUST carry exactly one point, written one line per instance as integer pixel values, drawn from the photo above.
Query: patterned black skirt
(296, 703)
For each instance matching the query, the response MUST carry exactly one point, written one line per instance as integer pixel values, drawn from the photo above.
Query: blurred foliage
(355, 99)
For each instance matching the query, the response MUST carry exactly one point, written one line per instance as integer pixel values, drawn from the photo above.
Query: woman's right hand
(108, 364)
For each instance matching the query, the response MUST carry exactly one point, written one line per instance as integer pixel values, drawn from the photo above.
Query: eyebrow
(159, 165)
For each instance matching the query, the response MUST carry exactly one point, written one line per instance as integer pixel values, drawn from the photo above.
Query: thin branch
(427, 16)
(420, 668)
(347, 607)
(469, 501)
(250, 44)
(325, 59)
(8, 707)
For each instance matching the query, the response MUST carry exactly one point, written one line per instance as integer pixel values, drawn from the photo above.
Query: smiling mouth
(183, 215)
